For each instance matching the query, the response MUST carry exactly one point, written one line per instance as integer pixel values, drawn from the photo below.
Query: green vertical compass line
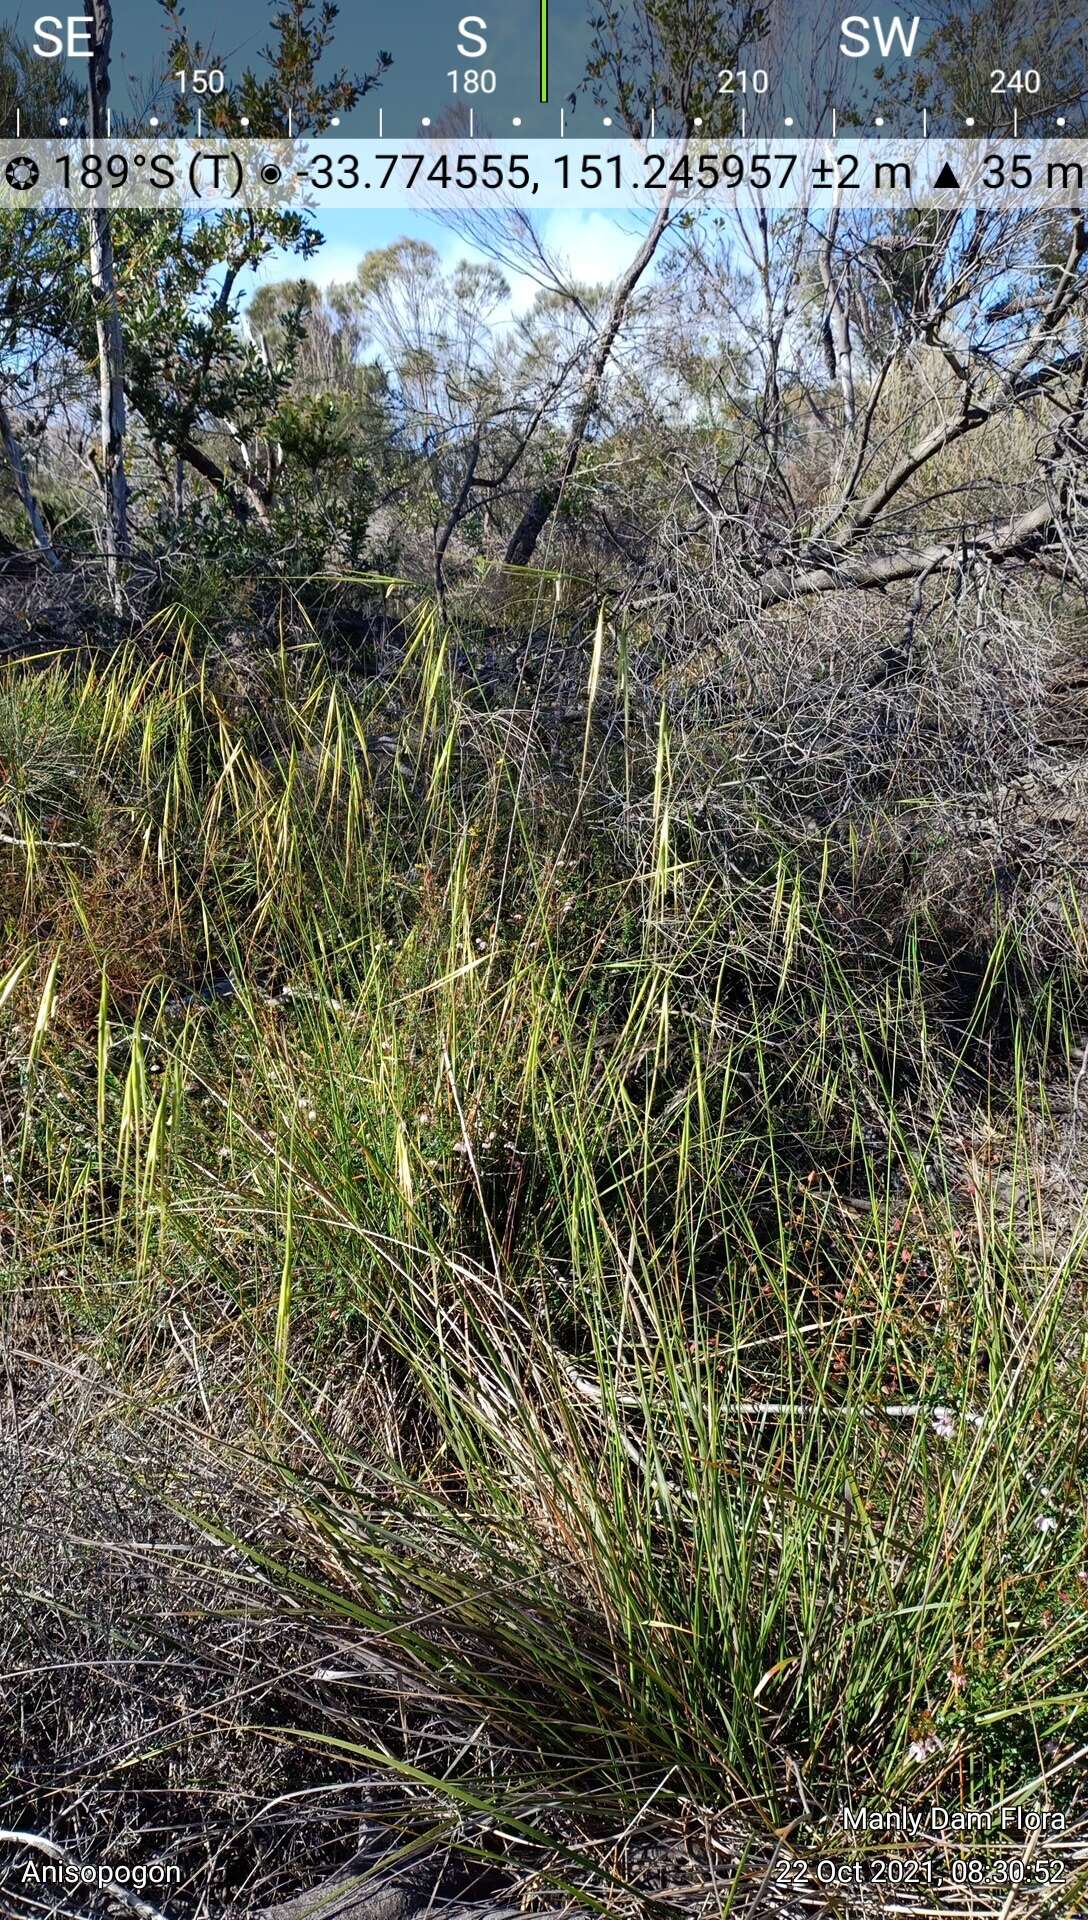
(543, 53)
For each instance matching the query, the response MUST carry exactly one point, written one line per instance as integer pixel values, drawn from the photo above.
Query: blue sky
(595, 246)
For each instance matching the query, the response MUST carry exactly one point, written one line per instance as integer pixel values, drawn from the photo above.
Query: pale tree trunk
(107, 320)
(837, 318)
(31, 506)
(533, 521)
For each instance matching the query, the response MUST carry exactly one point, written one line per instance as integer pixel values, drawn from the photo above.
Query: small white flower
(974, 1418)
(943, 1423)
(1046, 1523)
(922, 1750)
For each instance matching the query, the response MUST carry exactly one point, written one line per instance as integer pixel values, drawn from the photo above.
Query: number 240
(1020, 80)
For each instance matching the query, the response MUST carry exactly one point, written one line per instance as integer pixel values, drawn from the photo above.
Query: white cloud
(595, 248)
(454, 248)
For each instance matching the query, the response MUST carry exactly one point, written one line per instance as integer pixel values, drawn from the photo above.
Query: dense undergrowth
(708, 1425)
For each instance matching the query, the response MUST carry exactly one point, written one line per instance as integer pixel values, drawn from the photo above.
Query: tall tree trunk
(107, 320)
(453, 518)
(523, 540)
(837, 321)
(26, 493)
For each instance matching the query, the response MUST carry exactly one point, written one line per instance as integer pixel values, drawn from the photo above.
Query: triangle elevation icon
(946, 177)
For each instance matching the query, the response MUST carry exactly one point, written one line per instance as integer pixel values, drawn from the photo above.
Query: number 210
(735, 80)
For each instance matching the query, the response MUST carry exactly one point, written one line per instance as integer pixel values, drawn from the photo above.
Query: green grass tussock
(709, 1430)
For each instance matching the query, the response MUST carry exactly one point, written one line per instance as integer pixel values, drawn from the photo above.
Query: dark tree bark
(838, 333)
(244, 501)
(523, 540)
